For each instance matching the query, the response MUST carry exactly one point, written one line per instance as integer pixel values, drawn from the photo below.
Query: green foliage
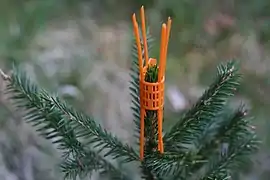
(206, 108)
(151, 74)
(209, 142)
(65, 127)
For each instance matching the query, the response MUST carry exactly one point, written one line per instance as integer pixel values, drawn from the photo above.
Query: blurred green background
(81, 49)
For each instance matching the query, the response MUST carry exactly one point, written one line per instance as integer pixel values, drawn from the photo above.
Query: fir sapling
(205, 144)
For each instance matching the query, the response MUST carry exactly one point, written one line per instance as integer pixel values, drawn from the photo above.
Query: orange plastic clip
(151, 94)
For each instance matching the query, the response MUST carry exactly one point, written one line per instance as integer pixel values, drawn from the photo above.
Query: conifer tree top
(210, 141)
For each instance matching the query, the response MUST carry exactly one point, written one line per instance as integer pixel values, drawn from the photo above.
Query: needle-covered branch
(49, 115)
(221, 166)
(190, 128)
(231, 135)
(90, 162)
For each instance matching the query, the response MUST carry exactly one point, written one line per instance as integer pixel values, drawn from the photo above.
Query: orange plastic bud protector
(151, 93)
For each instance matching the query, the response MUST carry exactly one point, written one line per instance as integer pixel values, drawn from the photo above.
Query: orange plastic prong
(140, 59)
(138, 42)
(145, 46)
(169, 24)
(160, 135)
(160, 76)
(162, 51)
